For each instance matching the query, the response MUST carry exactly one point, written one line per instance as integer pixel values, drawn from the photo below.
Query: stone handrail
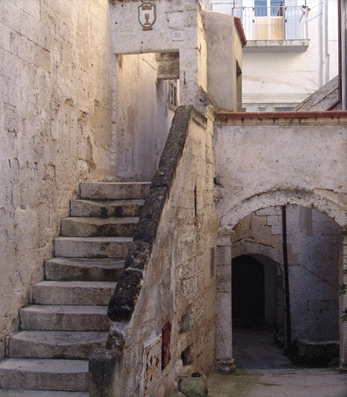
(163, 263)
(129, 285)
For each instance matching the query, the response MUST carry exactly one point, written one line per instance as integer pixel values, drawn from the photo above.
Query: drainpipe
(286, 275)
(342, 52)
(320, 33)
(327, 56)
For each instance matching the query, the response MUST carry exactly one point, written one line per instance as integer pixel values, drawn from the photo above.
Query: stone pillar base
(343, 366)
(226, 367)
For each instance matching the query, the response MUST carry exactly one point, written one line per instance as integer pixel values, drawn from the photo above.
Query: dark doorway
(253, 318)
(248, 293)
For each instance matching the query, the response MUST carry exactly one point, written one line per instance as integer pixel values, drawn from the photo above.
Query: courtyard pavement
(279, 383)
(263, 371)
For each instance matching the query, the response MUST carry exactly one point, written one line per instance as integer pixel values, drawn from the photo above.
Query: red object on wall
(166, 335)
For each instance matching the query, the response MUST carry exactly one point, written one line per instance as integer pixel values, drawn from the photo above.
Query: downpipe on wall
(286, 277)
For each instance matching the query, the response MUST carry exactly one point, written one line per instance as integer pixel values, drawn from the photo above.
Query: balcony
(280, 28)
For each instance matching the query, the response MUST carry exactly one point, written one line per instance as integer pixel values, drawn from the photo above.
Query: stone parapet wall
(265, 162)
(55, 129)
(170, 280)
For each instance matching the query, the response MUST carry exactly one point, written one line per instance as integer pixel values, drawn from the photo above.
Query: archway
(321, 305)
(324, 201)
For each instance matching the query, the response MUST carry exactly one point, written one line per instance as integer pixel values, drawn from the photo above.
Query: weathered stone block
(317, 353)
(122, 303)
(105, 370)
(138, 255)
(177, 137)
(149, 219)
(193, 387)
(168, 65)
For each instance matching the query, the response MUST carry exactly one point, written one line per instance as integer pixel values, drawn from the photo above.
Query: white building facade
(291, 51)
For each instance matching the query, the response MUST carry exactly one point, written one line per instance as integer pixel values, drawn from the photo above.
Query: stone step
(55, 344)
(41, 393)
(113, 190)
(64, 318)
(104, 209)
(97, 227)
(83, 269)
(92, 247)
(80, 293)
(67, 375)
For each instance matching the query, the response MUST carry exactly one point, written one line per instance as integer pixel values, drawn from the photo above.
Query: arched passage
(248, 291)
(310, 303)
(255, 294)
(324, 201)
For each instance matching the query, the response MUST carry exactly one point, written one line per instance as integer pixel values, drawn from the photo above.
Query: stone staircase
(67, 314)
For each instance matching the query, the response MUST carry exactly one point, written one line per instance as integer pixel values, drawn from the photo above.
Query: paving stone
(64, 318)
(67, 375)
(92, 247)
(97, 227)
(55, 344)
(279, 383)
(106, 208)
(85, 269)
(72, 293)
(113, 190)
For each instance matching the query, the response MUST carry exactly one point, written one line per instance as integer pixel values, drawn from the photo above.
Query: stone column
(225, 361)
(343, 301)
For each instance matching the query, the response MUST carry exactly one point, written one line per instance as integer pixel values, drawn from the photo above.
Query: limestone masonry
(136, 198)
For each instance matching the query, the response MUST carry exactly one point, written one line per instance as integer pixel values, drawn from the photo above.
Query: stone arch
(327, 202)
(324, 201)
(253, 248)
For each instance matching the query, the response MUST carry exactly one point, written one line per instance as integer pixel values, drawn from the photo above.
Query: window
(269, 22)
(284, 108)
(260, 8)
(275, 8)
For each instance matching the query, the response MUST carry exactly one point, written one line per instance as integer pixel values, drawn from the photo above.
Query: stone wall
(177, 233)
(142, 117)
(269, 162)
(314, 244)
(295, 159)
(225, 45)
(174, 30)
(201, 38)
(55, 129)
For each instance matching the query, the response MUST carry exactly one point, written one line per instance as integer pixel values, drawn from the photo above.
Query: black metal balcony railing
(269, 23)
